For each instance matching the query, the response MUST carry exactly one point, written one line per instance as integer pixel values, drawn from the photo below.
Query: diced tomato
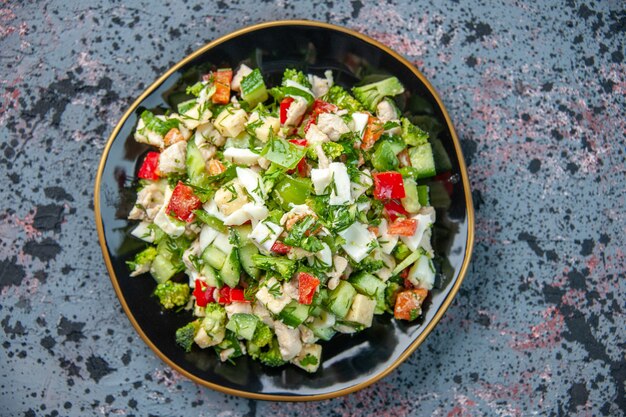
(403, 227)
(280, 248)
(299, 141)
(223, 77)
(409, 304)
(373, 131)
(183, 202)
(150, 167)
(237, 295)
(203, 293)
(284, 106)
(307, 285)
(388, 185)
(224, 295)
(394, 209)
(405, 277)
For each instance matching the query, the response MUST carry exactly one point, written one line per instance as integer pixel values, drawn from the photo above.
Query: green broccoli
(262, 339)
(340, 97)
(295, 76)
(172, 294)
(401, 251)
(214, 321)
(412, 134)
(369, 264)
(332, 149)
(371, 94)
(142, 261)
(186, 334)
(272, 357)
(280, 265)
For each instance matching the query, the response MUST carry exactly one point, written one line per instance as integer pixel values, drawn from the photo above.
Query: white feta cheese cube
(361, 311)
(358, 241)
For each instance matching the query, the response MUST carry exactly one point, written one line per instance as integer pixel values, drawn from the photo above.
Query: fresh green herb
(308, 360)
(283, 153)
(157, 125)
(274, 290)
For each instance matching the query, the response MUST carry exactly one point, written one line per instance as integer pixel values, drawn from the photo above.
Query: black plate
(349, 362)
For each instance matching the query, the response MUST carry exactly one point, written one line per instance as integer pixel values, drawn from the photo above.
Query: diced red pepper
(150, 167)
(280, 248)
(388, 185)
(394, 209)
(299, 141)
(403, 227)
(307, 285)
(223, 77)
(284, 106)
(237, 295)
(203, 293)
(224, 295)
(409, 304)
(373, 131)
(183, 202)
(303, 167)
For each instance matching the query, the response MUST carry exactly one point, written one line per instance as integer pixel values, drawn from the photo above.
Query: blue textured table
(537, 94)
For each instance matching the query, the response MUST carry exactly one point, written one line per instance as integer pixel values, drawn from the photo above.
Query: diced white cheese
(222, 242)
(361, 311)
(422, 273)
(274, 301)
(288, 340)
(265, 126)
(314, 136)
(360, 121)
(242, 72)
(321, 179)
(208, 132)
(386, 112)
(340, 187)
(144, 232)
(253, 184)
(248, 212)
(423, 223)
(231, 122)
(195, 116)
(358, 241)
(303, 359)
(241, 156)
(172, 159)
(207, 236)
(230, 197)
(332, 125)
(295, 111)
(237, 308)
(265, 234)
(386, 241)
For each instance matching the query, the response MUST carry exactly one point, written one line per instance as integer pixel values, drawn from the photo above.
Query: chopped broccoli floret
(296, 76)
(262, 335)
(401, 251)
(340, 97)
(371, 94)
(369, 264)
(214, 317)
(272, 357)
(280, 265)
(172, 294)
(143, 260)
(412, 134)
(332, 149)
(186, 334)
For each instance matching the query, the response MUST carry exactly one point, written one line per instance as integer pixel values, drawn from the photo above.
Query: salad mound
(280, 217)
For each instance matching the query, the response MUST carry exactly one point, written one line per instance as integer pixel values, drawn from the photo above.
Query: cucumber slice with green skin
(243, 325)
(422, 161)
(422, 195)
(320, 297)
(196, 168)
(245, 257)
(340, 299)
(322, 326)
(324, 333)
(294, 314)
(367, 284)
(231, 272)
(212, 277)
(253, 89)
(411, 201)
(162, 269)
(214, 257)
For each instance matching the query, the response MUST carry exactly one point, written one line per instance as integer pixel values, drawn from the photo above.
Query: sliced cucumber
(294, 314)
(422, 161)
(214, 257)
(162, 269)
(230, 272)
(212, 277)
(422, 194)
(196, 168)
(340, 299)
(247, 249)
(243, 325)
(411, 201)
(367, 284)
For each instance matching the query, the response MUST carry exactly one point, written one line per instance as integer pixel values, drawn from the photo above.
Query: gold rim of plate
(466, 186)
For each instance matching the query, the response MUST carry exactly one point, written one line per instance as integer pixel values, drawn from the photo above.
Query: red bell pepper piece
(299, 141)
(373, 131)
(403, 227)
(150, 167)
(280, 248)
(224, 295)
(394, 209)
(223, 77)
(388, 185)
(183, 202)
(307, 285)
(284, 106)
(203, 293)
(303, 167)
(237, 295)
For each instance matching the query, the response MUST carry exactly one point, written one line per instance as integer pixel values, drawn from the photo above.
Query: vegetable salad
(280, 217)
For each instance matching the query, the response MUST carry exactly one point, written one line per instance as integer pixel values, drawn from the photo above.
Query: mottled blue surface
(537, 93)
